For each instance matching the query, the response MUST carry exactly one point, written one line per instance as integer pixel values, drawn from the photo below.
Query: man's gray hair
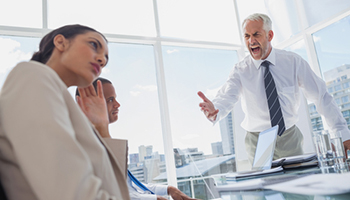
(259, 17)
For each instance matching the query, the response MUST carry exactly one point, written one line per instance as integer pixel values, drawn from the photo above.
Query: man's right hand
(207, 107)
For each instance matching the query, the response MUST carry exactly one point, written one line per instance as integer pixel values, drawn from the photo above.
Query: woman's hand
(94, 107)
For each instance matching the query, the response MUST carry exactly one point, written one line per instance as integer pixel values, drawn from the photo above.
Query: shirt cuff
(143, 196)
(345, 135)
(161, 190)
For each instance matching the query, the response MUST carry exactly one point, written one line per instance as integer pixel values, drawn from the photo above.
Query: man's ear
(270, 35)
(60, 42)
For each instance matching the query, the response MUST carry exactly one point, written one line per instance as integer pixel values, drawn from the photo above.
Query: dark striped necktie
(138, 183)
(276, 116)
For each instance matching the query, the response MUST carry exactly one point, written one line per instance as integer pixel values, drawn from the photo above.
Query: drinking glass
(338, 149)
(323, 147)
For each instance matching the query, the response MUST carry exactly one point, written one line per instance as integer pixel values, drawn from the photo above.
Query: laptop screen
(265, 149)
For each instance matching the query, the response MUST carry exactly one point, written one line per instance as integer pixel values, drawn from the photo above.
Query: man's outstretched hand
(207, 107)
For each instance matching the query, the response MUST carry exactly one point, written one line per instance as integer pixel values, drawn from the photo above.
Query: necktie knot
(266, 64)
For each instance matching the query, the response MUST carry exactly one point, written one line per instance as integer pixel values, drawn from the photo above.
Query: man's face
(256, 39)
(112, 103)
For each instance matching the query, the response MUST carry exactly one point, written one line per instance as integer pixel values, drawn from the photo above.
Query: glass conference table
(224, 192)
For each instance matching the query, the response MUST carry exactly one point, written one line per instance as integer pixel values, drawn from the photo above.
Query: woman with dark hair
(48, 149)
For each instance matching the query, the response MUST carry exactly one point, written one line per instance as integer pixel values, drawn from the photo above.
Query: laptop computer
(263, 157)
(265, 149)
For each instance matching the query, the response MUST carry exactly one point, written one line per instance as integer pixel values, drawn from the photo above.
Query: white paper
(317, 184)
(242, 185)
(252, 174)
(295, 159)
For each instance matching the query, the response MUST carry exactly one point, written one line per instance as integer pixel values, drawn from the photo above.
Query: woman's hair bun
(36, 56)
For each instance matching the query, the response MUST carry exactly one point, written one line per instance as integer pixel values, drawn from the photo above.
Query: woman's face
(83, 58)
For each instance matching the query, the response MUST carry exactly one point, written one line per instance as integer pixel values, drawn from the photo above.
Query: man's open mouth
(255, 49)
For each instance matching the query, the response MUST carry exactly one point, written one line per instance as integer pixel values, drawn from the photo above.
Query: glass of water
(325, 153)
(338, 148)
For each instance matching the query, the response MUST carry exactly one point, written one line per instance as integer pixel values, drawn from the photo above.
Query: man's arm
(315, 89)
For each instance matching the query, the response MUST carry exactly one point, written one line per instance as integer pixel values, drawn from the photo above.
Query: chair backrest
(2, 193)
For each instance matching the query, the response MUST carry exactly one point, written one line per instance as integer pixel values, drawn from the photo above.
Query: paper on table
(242, 185)
(317, 184)
(252, 174)
(294, 159)
(254, 184)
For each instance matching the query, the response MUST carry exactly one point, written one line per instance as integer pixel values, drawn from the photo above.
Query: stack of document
(252, 174)
(254, 184)
(306, 160)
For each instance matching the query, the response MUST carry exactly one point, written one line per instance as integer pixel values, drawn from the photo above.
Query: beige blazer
(48, 149)
(119, 148)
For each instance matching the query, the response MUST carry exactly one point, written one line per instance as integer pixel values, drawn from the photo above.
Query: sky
(132, 67)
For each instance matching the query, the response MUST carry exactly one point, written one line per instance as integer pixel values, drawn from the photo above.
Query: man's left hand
(346, 147)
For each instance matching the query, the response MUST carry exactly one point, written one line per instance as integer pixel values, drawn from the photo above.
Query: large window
(132, 17)
(283, 12)
(14, 50)
(131, 69)
(199, 20)
(316, 10)
(187, 71)
(299, 48)
(21, 13)
(331, 47)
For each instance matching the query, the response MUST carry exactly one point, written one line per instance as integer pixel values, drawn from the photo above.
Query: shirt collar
(271, 58)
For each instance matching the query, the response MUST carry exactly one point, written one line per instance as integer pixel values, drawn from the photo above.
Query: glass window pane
(284, 16)
(333, 56)
(337, 87)
(187, 71)
(21, 13)
(337, 100)
(132, 17)
(248, 7)
(201, 20)
(345, 99)
(331, 45)
(14, 50)
(299, 48)
(131, 69)
(330, 89)
(317, 11)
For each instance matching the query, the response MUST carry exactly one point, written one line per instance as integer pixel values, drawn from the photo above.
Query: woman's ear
(60, 42)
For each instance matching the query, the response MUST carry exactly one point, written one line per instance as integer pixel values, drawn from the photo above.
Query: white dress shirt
(137, 194)
(291, 73)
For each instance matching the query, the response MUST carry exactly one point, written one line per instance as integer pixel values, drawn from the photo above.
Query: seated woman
(48, 149)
